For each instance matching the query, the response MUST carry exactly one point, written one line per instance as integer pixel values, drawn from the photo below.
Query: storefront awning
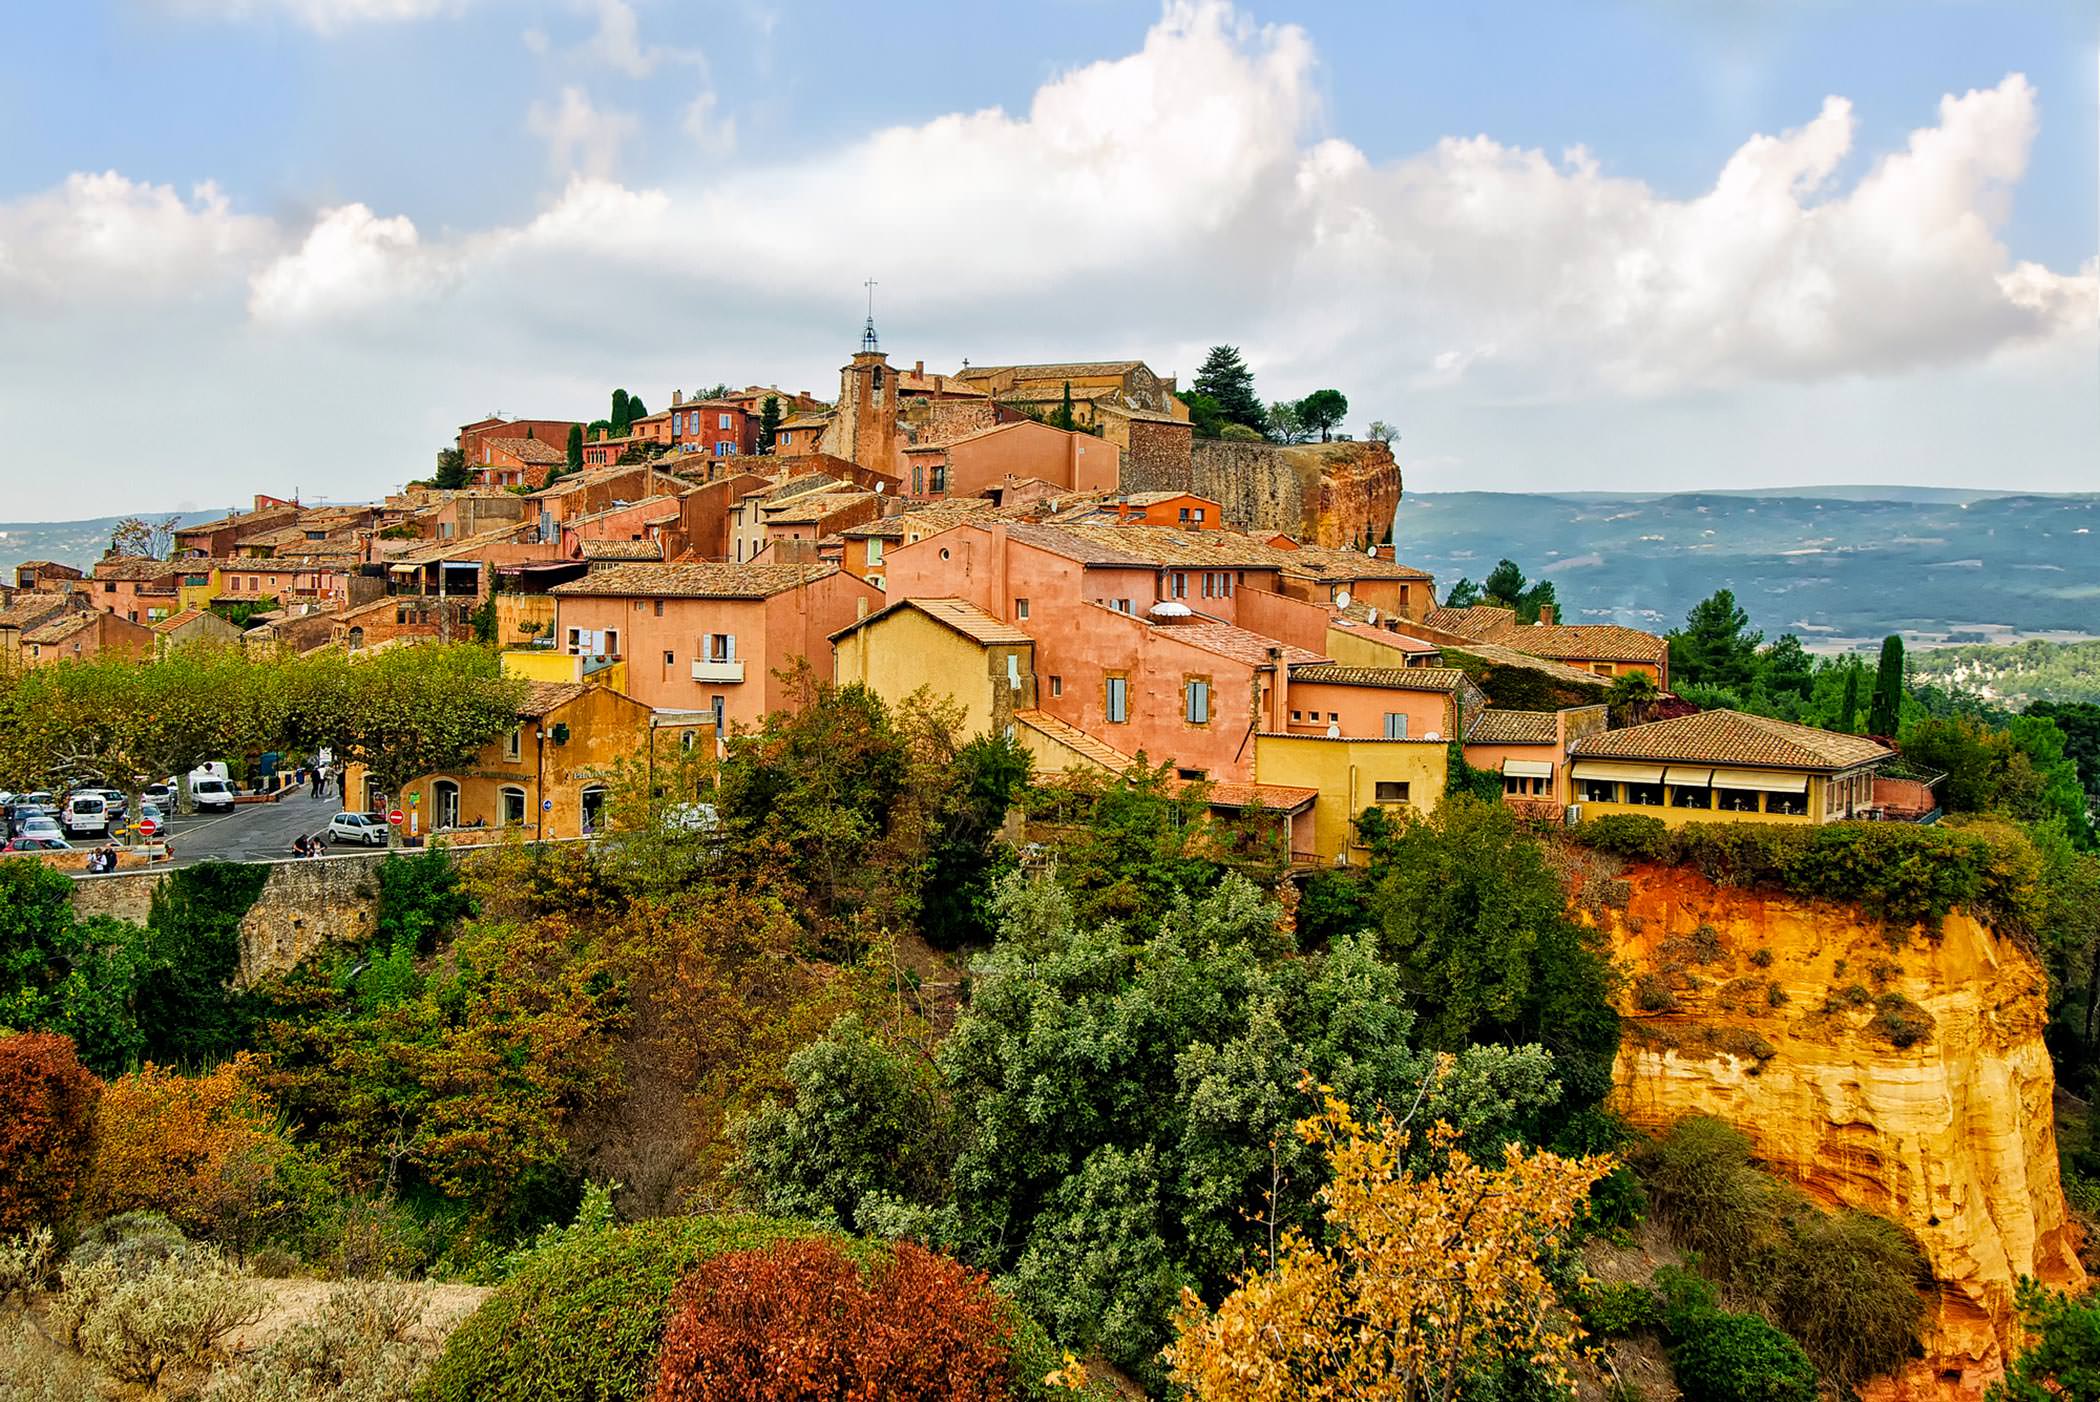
(1688, 775)
(1610, 769)
(1764, 779)
(1527, 768)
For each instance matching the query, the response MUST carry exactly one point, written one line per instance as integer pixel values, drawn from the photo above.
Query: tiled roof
(1150, 498)
(176, 620)
(528, 450)
(28, 610)
(621, 549)
(960, 614)
(1493, 727)
(818, 419)
(1284, 798)
(1054, 371)
(813, 507)
(1338, 566)
(1391, 678)
(888, 528)
(1484, 621)
(1731, 737)
(619, 507)
(1587, 642)
(136, 567)
(51, 567)
(1226, 640)
(431, 552)
(1150, 416)
(1510, 657)
(1149, 546)
(1073, 738)
(544, 697)
(713, 580)
(59, 629)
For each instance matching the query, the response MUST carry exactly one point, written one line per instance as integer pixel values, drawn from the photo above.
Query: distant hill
(2015, 674)
(1837, 570)
(76, 543)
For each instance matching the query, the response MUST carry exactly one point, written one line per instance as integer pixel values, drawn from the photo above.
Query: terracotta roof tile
(713, 580)
(1227, 640)
(57, 630)
(1493, 727)
(1732, 737)
(528, 450)
(1510, 657)
(1073, 738)
(1391, 678)
(176, 620)
(960, 614)
(621, 549)
(544, 697)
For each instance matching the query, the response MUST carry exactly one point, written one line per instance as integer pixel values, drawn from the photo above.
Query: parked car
(161, 796)
(86, 814)
(37, 844)
(41, 826)
(158, 815)
(210, 795)
(357, 827)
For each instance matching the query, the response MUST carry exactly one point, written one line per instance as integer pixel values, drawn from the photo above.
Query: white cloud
(351, 262)
(106, 238)
(580, 138)
(617, 43)
(325, 16)
(709, 131)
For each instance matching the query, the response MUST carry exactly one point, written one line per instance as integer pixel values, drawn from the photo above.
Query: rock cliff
(1906, 1078)
(1329, 493)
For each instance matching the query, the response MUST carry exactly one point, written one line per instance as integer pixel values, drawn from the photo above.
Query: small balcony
(718, 671)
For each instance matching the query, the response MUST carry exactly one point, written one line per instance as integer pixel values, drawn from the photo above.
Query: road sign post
(396, 817)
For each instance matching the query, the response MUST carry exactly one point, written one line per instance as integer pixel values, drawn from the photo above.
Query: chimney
(677, 398)
(1279, 690)
(918, 367)
(1546, 615)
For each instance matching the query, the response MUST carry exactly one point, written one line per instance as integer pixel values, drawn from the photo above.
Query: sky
(267, 245)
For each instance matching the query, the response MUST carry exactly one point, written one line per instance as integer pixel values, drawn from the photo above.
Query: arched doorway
(444, 805)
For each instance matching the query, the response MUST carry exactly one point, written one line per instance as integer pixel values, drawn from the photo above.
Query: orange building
(977, 462)
(1600, 649)
(76, 637)
(710, 637)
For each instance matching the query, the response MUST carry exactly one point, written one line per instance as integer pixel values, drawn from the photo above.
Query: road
(252, 831)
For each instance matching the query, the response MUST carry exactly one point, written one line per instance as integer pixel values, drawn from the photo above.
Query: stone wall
(305, 904)
(1328, 493)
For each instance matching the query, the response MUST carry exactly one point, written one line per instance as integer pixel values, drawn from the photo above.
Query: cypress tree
(575, 447)
(620, 414)
(1848, 714)
(768, 423)
(1885, 714)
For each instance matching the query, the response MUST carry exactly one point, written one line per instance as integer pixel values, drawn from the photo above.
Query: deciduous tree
(1430, 1277)
(1322, 411)
(47, 1102)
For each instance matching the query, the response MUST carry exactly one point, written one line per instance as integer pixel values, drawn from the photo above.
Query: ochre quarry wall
(1329, 493)
(1951, 1136)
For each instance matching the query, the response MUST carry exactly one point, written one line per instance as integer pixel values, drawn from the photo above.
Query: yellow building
(549, 777)
(1724, 766)
(547, 665)
(1398, 776)
(197, 585)
(950, 646)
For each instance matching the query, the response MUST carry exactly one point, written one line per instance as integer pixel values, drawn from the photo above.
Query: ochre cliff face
(1951, 1136)
(1328, 493)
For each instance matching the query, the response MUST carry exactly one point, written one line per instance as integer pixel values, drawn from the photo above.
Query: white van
(86, 815)
(209, 795)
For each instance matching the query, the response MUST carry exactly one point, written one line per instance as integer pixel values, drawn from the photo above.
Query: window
(1736, 800)
(722, 448)
(1599, 791)
(1191, 775)
(1295, 716)
(593, 808)
(444, 805)
(1792, 804)
(1121, 605)
(1522, 786)
(1181, 585)
(1118, 700)
(1182, 515)
(938, 478)
(513, 801)
(514, 743)
(669, 659)
(1645, 795)
(659, 608)
(1057, 686)
(1602, 669)
(1196, 701)
(1021, 608)
(612, 642)
(575, 641)
(1396, 725)
(1690, 796)
(722, 421)
(721, 647)
(786, 438)
(719, 705)
(1403, 596)
(874, 550)
(1199, 515)
(918, 479)
(1391, 791)
(685, 742)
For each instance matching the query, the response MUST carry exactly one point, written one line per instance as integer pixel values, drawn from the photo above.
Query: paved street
(252, 831)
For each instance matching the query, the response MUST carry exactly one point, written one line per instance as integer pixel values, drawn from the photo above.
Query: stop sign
(395, 817)
(148, 827)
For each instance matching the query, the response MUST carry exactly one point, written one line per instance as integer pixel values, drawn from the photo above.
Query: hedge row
(1899, 873)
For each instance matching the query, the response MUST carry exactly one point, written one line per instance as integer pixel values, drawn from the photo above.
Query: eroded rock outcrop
(1908, 1080)
(1328, 493)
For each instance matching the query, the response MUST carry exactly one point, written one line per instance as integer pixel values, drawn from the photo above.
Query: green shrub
(1621, 1308)
(1699, 1177)
(360, 1346)
(1847, 1288)
(1652, 995)
(1901, 1021)
(1627, 835)
(580, 1322)
(1617, 1201)
(1722, 1357)
(176, 1310)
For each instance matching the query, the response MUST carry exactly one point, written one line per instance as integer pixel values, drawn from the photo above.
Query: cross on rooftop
(867, 335)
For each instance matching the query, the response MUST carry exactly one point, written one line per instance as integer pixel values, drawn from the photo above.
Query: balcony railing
(710, 670)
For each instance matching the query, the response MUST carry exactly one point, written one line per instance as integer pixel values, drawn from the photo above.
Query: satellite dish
(1169, 608)
(1341, 599)
(1372, 618)
(1334, 730)
(879, 485)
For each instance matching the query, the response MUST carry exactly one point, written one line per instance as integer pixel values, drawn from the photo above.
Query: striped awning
(1770, 781)
(1625, 773)
(1528, 768)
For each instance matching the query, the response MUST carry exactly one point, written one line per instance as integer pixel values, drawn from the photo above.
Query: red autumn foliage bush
(47, 1102)
(798, 1322)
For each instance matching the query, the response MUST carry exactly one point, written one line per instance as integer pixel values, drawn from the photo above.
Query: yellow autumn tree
(1431, 1276)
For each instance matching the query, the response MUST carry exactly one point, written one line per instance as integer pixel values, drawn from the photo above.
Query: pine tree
(1885, 712)
(1226, 379)
(1848, 713)
(768, 423)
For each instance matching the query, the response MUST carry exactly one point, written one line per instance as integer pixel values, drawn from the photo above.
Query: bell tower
(865, 421)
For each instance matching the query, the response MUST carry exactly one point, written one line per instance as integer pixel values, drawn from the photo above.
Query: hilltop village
(1053, 547)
